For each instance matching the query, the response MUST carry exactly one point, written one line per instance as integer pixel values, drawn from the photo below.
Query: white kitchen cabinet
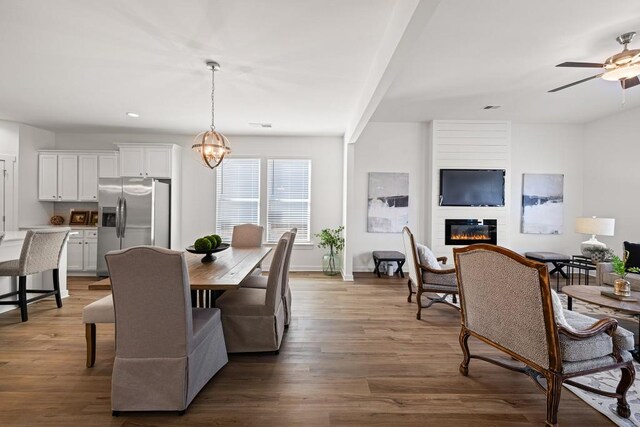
(90, 254)
(108, 166)
(88, 177)
(148, 162)
(48, 177)
(75, 254)
(67, 177)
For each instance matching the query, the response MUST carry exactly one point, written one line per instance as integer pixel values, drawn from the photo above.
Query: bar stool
(41, 251)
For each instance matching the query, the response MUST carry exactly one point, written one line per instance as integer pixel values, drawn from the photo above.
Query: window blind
(288, 198)
(237, 195)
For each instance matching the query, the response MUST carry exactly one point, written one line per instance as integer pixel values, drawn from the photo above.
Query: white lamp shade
(595, 226)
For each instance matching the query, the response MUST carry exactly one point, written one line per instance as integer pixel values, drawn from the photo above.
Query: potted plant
(332, 239)
(622, 286)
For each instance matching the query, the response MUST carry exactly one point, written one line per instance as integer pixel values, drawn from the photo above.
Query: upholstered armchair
(507, 303)
(427, 274)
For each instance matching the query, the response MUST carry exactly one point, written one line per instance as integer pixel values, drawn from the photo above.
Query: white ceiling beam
(407, 23)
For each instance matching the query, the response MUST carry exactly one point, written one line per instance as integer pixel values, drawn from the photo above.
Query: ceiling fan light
(621, 73)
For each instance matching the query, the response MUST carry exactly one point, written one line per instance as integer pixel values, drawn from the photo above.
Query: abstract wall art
(542, 203)
(388, 210)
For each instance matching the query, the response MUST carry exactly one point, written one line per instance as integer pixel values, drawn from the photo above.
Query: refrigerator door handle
(118, 212)
(123, 210)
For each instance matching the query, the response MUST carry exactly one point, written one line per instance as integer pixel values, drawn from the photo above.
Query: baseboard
(347, 277)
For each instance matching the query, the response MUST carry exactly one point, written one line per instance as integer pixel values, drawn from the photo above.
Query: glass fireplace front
(470, 231)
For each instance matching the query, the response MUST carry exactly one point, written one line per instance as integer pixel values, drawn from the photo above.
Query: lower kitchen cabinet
(82, 251)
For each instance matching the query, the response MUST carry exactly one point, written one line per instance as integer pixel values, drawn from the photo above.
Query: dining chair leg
(22, 297)
(56, 287)
(90, 335)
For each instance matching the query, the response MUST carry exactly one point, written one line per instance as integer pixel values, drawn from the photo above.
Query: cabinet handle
(140, 173)
(95, 197)
(53, 197)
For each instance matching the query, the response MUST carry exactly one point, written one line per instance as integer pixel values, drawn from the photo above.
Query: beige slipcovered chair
(253, 318)
(506, 302)
(261, 281)
(248, 236)
(41, 251)
(100, 311)
(427, 275)
(166, 351)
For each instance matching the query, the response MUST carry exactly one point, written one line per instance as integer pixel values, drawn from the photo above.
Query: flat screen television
(472, 187)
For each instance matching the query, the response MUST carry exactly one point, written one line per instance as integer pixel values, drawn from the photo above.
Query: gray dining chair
(253, 319)
(261, 282)
(166, 351)
(41, 251)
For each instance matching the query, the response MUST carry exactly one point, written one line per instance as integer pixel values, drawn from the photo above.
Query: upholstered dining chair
(507, 303)
(41, 251)
(427, 274)
(166, 351)
(253, 318)
(248, 236)
(261, 281)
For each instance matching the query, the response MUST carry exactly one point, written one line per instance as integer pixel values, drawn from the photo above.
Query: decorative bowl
(208, 257)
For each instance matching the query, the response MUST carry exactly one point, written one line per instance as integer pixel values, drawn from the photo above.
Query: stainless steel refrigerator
(132, 212)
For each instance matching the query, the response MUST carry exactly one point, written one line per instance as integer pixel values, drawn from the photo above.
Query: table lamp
(594, 226)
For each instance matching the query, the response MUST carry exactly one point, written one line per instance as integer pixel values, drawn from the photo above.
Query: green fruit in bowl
(202, 245)
(214, 242)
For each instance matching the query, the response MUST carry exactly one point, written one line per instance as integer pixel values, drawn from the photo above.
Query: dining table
(210, 279)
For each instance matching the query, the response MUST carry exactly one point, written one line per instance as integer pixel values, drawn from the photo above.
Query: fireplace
(470, 231)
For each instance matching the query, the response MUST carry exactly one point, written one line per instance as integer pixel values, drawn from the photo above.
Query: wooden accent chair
(427, 279)
(253, 318)
(506, 302)
(41, 251)
(260, 282)
(166, 351)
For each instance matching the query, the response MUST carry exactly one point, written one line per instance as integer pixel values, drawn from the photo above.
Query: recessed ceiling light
(491, 107)
(260, 125)
(133, 115)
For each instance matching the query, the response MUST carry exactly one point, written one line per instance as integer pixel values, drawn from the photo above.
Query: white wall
(387, 147)
(31, 211)
(612, 175)
(548, 148)
(198, 182)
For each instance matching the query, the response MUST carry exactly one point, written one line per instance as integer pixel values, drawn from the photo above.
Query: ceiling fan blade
(581, 64)
(575, 83)
(630, 82)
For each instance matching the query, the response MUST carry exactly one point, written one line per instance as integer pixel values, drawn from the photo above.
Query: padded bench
(100, 311)
(388, 256)
(552, 257)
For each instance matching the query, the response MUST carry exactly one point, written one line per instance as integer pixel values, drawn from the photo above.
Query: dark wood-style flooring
(354, 355)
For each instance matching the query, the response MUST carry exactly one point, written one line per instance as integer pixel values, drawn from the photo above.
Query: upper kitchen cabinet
(65, 176)
(147, 161)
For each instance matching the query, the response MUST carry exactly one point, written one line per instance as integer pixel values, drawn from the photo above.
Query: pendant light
(211, 145)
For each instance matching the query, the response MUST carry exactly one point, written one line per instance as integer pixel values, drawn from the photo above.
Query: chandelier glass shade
(211, 146)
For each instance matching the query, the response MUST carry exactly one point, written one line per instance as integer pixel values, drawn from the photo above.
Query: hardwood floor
(353, 355)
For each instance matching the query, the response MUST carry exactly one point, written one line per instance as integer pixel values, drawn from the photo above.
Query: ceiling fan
(623, 67)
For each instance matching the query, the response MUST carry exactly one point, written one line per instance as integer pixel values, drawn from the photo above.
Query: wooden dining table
(209, 279)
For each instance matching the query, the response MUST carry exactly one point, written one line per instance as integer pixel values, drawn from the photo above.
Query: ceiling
(496, 52)
(81, 65)
(304, 66)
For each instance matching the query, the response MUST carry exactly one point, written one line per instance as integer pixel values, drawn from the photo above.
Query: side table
(390, 256)
(583, 268)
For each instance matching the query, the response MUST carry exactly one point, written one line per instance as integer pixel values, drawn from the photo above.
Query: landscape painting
(388, 210)
(542, 203)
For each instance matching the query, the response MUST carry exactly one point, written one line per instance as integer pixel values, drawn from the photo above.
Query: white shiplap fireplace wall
(467, 144)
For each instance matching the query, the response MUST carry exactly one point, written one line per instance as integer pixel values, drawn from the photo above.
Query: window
(237, 195)
(288, 198)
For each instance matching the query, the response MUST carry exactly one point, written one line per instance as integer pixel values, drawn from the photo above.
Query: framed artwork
(542, 203)
(388, 206)
(79, 217)
(93, 218)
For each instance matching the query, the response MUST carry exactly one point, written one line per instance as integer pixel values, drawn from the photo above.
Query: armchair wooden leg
(22, 297)
(56, 287)
(554, 388)
(466, 355)
(419, 301)
(628, 376)
(454, 298)
(410, 291)
(90, 334)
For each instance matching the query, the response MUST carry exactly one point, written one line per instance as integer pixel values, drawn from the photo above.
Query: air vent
(491, 107)
(260, 125)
